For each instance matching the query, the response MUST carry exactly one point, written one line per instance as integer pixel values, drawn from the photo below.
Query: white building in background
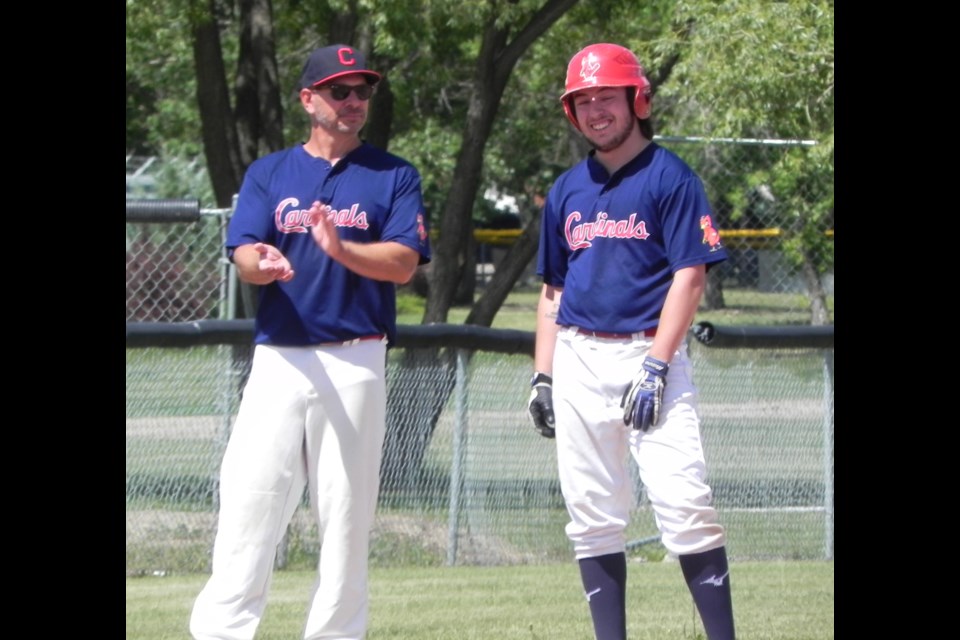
(501, 201)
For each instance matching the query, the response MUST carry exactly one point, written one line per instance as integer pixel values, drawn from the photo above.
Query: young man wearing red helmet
(626, 240)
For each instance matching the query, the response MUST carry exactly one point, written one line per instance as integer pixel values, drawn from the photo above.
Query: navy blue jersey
(376, 197)
(613, 242)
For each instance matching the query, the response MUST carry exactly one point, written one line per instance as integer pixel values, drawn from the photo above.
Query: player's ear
(306, 99)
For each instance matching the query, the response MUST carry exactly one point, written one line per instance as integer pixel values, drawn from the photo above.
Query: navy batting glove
(541, 405)
(642, 398)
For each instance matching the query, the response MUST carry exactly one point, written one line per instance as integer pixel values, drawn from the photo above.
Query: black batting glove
(541, 405)
(642, 398)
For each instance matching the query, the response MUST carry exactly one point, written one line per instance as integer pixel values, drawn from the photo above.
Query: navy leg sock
(708, 577)
(605, 585)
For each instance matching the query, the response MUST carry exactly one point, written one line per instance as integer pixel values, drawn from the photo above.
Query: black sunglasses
(341, 91)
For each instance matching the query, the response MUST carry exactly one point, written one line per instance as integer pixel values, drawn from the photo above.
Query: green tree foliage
(470, 96)
(761, 69)
(754, 68)
(731, 68)
(162, 118)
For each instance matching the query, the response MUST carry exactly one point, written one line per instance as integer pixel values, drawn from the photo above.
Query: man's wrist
(539, 377)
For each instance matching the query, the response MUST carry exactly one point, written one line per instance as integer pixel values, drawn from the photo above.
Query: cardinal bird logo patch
(710, 235)
(421, 229)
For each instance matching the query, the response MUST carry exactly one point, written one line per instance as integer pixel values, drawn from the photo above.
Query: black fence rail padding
(465, 336)
(159, 210)
(747, 337)
(189, 334)
(473, 337)
(210, 332)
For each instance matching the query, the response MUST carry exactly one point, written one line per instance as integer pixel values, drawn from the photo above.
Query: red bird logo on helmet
(589, 67)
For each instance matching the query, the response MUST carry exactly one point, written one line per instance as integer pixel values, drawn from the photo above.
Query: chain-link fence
(175, 272)
(773, 202)
(773, 205)
(467, 480)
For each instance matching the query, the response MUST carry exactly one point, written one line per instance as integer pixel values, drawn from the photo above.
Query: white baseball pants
(593, 445)
(308, 417)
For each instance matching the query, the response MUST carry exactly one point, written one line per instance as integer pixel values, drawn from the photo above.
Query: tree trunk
(819, 314)
(713, 291)
(380, 121)
(259, 112)
(505, 275)
(494, 65)
(216, 117)
(495, 62)
(414, 404)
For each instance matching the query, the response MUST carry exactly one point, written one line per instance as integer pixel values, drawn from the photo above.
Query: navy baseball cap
(333, 61)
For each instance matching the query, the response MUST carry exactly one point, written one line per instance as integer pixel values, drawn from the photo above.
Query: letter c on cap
(345, 54)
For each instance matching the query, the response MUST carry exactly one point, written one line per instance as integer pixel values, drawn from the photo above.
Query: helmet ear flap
(570, 110)
(641, 102)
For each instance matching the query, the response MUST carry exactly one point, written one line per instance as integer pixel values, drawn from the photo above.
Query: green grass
(743, 308)
(179, 541)
(791, 600)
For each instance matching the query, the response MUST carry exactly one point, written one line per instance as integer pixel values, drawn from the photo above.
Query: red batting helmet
(606, 65)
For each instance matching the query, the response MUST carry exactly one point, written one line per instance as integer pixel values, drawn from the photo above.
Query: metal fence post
(459, 453)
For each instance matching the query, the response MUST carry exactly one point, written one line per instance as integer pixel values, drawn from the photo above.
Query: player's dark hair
(646, 125)
(646, 128)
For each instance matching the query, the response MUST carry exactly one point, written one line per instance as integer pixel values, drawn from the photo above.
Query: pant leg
(672, 467)
(261, 476)
(345, 433)
(592, 444)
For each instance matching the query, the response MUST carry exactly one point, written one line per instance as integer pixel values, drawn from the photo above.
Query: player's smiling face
(606, 119)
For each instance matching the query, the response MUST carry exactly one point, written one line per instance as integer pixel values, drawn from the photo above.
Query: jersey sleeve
(688, 230)
(553, 254)
(407, 224)
(249, 223)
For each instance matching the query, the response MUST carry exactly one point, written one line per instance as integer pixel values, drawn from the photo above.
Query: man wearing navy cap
(326, 229)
